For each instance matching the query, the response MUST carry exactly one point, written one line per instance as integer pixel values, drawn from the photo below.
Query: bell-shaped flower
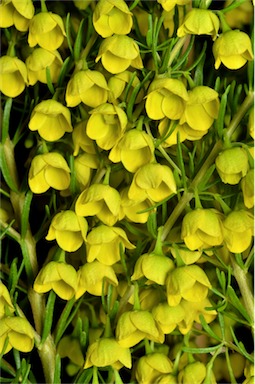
(133, 210)
(233, 49)
(112, 17)
(168, 5)
(154, 181)
(232, 164)
(13, 76)
(166, 98)
(202, 228)
(168, 378)
(134, 326)
(134, 149)
(247, 185)
(51, 119)
(6, 306)
(118, 85)
(106, 125)
(199, 22)
(141, 17)
(107, 352)
(69, 230)
(103, 244)
(17, 13)
(58, 276)
(48, 170)
(95, 278)
(149, 297)
(118, 52)
(83, 166)
(70, 347)
(88, 87)
(169, 132)
(100, 200)
(19, 332)
(193, 373)
(168, 317)
(81, 139)
(201, 109)
(150, 367)
(239, 16)
(47, 30)
(38, 61)
(238, 230)
(154, 267)
(189, 282)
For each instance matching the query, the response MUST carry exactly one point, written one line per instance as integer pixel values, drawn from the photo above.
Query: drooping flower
(168, 317)
(13, 76)
(151, 366)
(83, 166)
(168, 5)
(17, 13)
(247, 185)
(232, 164)
(118, 86)
(19, 332)
(70, 347)
(81, 139)
(133, 210)
(5, 301)
(239, 16)
(193, 373)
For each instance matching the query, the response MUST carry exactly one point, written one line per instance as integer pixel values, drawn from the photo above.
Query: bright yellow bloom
(168, 5)
(166, 98)
(13, 76)
(199, 22)
(168, 317)
(106, 125)
(131, 209)
(47, 30)
(19, 332)
(247, 185)
(38, 61)
(83, 166)
(69, 230)
(239, 16)
(58, 276)
(118, 83)
(51, 119)
(17, 13)
(169, 17)
(48, 170)
(232, 164)
(189, 282)
(86, 86)
(119, 52)
(107, 352)
(193, 373)
(5, 301)
(233, 49)
(112, 16)
(100, 200)
(81, 139)
(167, 379)
(151, 366)
(134, 149)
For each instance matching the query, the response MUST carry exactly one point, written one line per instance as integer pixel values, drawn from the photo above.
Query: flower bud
(151, 366)
(232, 164)
(17, 13)
(19, 332)
(13, 76)
(83, 165)
(6, 306)
(247, 185)
(168, 317)
(193, 373)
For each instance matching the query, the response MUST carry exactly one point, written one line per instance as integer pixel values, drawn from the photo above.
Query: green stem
(177, 48)
(43, 6)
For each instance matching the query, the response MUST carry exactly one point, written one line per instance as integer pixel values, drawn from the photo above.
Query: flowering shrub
(127, 191)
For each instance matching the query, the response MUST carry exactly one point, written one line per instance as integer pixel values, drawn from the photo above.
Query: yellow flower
(238, 230)
(169, 131)
(193, 373)
(106, 125)
(168, 317)
(107, 352)
(58, 276)
(189, 282)
(233, 49)
(103, 244)
(83, 165)
(134, 326)
(118, 52)
(100, 200)
(141, 17)
(13, 76)
(202, 228)
(232, 164)
(199, 22)
(151, 366)
(71, 348)
(5, 301)
(168, 5)
(247, 185)
(166, 98)
(48, 170)
(51, 119)
(69, 230)
(19, 332)
(38, 61)
(92, 277)
(111, 16)
(118, 83)
(131, 209)
(170, 17)
(81, 139)
(17, 13)
(134, 149)
(47, 30)
(153, 181)
(86, 86)
(239, 16)
(167, 379)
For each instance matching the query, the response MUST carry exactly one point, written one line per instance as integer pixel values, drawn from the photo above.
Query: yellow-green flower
(202, 228)
(103, 244)
(60, 277)
(170, 16)
(169, 132)
(81, 139)
(86, 86)
(168, 5)
(189, 282)
(153, 181)
(233, 49)
(166, 98)
(193, 373)
(48, 170)
(151, 366)
(232, 165)
(51, 119)
(118, 83)
(38, 61)
(238, 230)
(251, 123)
(17, 13)
(111, 16)
(19, 332)
(107, 352)
(118, 52)
(168, 317)
(70, 347)
(134, 149)
(239, 16)
(106, 125)
(99, 200)
(132, 209)
(167, 379)
(199, 22)
(69, 230)
(13, 76)
(47, 30)
(5, 301)
(83, 166)
(247, 185)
